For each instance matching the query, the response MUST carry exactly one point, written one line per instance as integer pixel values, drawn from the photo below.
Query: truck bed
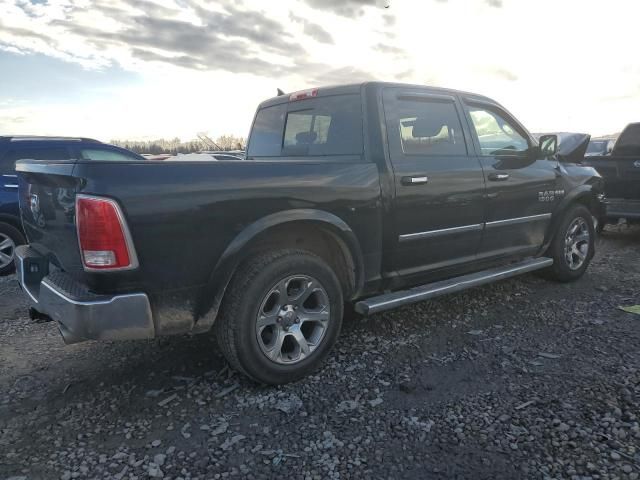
(183, 216)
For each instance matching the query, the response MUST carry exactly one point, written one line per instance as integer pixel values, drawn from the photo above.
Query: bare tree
(175, 146)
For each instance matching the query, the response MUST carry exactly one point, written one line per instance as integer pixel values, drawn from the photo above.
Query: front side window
(429, 127)
(496, 135)
(107, 155)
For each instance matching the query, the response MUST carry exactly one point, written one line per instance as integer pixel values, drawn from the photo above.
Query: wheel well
(14, 222)
(585, 200)
(315, 238)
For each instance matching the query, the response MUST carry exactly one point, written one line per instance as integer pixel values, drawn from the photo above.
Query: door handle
(415, 180)
(498, 177)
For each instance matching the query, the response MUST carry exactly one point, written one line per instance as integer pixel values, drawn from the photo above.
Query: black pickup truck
(621, 173)
(375, 195)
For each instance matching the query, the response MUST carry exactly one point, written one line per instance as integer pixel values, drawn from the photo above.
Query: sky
(146, 69)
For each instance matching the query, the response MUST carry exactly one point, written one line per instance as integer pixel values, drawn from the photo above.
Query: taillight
(294, 97)
(105, 242)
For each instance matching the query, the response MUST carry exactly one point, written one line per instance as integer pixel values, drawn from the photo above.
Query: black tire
(16, 237)
(249, 288)
(561, 270)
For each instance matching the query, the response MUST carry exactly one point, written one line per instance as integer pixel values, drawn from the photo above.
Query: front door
(438, 207)
(522, 188)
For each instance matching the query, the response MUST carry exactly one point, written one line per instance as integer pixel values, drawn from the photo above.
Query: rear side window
(107, 155)
(429, 127)
(325, 126)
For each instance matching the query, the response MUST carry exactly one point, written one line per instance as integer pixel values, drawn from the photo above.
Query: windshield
(596, 147)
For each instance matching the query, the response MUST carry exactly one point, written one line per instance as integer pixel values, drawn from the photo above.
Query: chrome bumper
(81, 315)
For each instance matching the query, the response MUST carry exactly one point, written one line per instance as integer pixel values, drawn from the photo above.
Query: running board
(388, 301)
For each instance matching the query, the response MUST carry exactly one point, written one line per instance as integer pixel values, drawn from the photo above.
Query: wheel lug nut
(297, 320)
(279, 319)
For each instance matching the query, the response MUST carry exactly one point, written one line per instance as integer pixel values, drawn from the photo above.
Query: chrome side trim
(10, 185)
(9, 176)
(437, 233)
(432, 290)
(517, 220)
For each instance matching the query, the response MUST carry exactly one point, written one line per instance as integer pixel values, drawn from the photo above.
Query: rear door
(522, 189)
(438, 207)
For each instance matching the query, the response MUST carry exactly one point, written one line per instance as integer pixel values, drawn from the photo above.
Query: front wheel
(281, 315)
(573, 245)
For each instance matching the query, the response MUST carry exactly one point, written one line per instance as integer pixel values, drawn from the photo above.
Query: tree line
(175, 146)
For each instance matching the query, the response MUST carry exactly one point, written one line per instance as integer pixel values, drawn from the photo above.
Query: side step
(391, 300)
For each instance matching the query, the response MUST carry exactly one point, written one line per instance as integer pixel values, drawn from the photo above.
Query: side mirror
(548, 145)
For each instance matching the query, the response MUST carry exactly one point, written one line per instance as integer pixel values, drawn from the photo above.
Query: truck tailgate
(47, 204)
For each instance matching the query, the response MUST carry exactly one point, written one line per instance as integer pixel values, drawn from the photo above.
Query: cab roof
(352, 88)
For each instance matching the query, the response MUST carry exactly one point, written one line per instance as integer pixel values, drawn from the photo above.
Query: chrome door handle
(498, 177)
(415, 180)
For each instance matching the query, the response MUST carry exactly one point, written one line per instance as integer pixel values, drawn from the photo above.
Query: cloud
(502, 73)
(232, 38)
(319, 75)
(313, 30)
(203, 35)
(346, 8)
(389, 49)
(491, 3)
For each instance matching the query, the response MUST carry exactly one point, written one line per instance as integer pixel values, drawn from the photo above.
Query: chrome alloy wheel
(7, 249)
(576, 243)
(292, 319)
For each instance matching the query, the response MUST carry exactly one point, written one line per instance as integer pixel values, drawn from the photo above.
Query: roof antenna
(280, 92)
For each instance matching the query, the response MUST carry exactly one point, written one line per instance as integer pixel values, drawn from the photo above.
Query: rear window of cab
(317, 127)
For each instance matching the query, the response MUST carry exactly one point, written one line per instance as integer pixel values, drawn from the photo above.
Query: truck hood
(572, 146)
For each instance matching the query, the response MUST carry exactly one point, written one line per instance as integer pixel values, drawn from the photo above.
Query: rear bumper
(81, 314)
(622, 208)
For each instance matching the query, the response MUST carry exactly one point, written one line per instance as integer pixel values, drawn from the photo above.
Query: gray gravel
(521, 379)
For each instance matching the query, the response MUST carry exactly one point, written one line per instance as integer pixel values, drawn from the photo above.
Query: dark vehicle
(621, 173)
(17, 148)
(377, 195)
(599, 147)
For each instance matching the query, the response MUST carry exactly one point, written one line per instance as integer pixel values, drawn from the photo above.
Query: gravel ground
(521, 379)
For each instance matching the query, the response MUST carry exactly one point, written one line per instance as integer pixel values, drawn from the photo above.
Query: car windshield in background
(324, 126)
(596, 147)
(108, 155)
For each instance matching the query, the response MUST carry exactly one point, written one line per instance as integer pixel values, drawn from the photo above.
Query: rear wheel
(10, 238)
(573, 246)
(281, 315)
